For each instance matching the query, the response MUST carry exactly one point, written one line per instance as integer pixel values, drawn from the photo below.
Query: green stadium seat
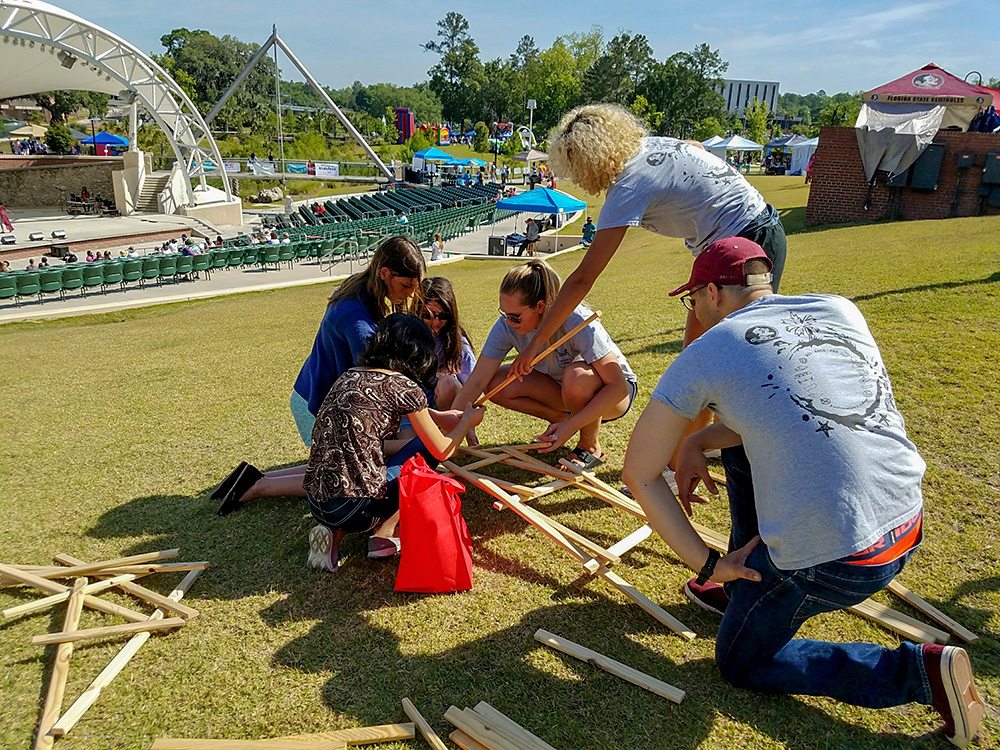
(8, 287)
(114, 273)
(168, 268)
(72, 278)
(27, 285)
(93, 275)
(151, 269)
(131, 271)
(50, 282)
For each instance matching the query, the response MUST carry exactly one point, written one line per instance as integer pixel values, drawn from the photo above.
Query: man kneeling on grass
(836, 505)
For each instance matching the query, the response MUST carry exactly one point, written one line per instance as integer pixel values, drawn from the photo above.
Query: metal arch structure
(106, 63)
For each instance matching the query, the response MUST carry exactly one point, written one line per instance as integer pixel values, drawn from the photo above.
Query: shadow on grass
(991, 279)
(564, 701)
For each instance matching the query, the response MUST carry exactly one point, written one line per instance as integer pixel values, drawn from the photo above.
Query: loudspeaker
(965, 159)
(8, 239)
(991, 169)
(36, 236)
(497, 246)
(58, 234)
(59, 251)
(927, 167)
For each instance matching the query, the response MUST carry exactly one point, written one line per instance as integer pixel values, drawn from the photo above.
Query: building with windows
(738, 95)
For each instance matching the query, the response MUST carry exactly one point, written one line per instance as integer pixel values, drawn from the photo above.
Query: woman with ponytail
(583, 383)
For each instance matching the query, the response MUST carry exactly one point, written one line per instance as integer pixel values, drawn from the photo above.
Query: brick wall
(40, 182)
(839, 189)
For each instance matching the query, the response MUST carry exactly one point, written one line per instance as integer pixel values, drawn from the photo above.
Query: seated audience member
(31, 265)
(132, 253)
(531, 235)
(218, 240)
(107, 255)
(4, 266)
(90, 256)
(43, 263)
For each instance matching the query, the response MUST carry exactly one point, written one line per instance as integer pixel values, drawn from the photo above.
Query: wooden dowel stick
(50, 601)
(465, 742)
(89, 696)
(608, 664)
(425, 729)
(60, 670)
(648, 605)
(110, 630)
(88, 568)
(141, 592)
(475, 728)
(92, 602)
(538, 358)
(511, 727)
(920, 604)
(142, 569)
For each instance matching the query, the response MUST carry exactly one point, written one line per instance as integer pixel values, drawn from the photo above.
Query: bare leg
(286, 485)
(537, 395)
(580, 385)
(445, 391)
(299, 469)
(388, 527)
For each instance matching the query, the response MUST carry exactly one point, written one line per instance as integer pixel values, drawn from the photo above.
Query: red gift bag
(435, 547)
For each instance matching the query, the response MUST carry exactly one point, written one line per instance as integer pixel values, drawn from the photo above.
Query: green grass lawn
(117, 426)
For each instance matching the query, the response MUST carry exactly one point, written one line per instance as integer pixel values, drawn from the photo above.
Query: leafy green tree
(555, 87)
(59, 104)
(458, 75)
(840, 109)
(645, 111)
(615, 74)
(685, 87)
(755, 115)
(59, 139)
(480, 141)
(706, 127)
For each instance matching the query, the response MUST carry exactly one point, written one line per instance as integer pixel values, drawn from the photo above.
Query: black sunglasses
(444, 316)
(514, 318)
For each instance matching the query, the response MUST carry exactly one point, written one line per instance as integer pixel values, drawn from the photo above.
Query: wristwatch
(709, 568)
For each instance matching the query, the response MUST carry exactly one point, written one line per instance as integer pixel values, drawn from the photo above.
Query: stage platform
(97, 232)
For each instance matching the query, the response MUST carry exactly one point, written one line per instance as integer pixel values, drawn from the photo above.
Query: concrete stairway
(152, 186)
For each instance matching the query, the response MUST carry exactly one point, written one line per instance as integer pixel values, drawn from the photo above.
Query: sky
(842, 45)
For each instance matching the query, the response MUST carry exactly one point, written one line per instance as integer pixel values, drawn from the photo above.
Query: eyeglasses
(687, 300)
(444, 316)
(514, 318)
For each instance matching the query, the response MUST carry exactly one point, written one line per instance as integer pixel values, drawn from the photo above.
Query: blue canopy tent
(467, 162)
(543, 200)
(434, 154)
(106, 139)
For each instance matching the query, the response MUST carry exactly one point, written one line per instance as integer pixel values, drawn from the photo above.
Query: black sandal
(581, 459)
(246, 479)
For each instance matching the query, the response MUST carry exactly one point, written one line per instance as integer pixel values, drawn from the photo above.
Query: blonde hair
(592, 143)
(534, 282)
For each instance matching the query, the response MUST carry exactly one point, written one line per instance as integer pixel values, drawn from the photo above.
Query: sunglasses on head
(444, 316)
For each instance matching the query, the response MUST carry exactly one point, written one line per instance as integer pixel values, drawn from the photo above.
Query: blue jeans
(756, 649)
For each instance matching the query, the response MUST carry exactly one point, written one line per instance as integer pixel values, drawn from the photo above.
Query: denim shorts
(633, 391)
(304, 419)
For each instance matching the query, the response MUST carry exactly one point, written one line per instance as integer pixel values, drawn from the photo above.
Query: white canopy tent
(712, 141)
(801, 154)
(734, 143)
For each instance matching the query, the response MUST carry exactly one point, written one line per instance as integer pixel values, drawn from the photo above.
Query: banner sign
(324, 169)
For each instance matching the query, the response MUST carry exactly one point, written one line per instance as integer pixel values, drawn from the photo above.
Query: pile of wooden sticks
(111, 575)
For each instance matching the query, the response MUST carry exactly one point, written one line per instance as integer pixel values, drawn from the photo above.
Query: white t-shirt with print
(679, 190)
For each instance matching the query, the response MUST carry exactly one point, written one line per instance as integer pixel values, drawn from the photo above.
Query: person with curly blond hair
(671, 187)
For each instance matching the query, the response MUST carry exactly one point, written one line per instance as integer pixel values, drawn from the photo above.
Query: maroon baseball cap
(722, 263)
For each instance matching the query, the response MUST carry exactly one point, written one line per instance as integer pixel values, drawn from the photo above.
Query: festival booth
(780, 152)
(736, 143)
(424, 160)
(543, 200)
(899, 119)
(104, 142)
(802, 152)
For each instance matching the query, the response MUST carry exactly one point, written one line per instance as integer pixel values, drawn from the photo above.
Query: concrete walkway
(235, 281)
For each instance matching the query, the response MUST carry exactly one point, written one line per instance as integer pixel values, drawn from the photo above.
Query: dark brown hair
(438, 289)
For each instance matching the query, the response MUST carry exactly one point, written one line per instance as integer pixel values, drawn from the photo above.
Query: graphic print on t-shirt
(866, 403)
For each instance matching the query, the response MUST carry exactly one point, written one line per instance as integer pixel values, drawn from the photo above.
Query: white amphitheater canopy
(45, 48)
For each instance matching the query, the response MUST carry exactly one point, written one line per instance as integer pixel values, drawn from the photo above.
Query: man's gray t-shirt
(802, 381)
(589, 345)
(679, 190)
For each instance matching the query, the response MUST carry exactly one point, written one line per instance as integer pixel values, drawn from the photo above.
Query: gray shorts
(304, 419)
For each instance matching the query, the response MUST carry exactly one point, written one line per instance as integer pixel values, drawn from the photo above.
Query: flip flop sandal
(247, 479)
(227, 484)
(582, 459)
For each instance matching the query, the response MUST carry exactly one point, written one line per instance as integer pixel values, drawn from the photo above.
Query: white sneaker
(323, 555)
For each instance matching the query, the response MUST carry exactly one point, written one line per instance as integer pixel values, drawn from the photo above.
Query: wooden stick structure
(608, 664)
(594, 558)
(538, 358)
(83, 594)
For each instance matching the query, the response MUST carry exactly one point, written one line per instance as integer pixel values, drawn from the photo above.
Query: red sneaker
(711, 597)
(953, 692)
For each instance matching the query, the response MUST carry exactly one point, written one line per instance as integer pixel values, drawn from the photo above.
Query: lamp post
(532, 105)
(93, 134)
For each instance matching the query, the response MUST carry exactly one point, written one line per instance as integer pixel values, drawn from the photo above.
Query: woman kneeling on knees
(584, 382)
(350, 486)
